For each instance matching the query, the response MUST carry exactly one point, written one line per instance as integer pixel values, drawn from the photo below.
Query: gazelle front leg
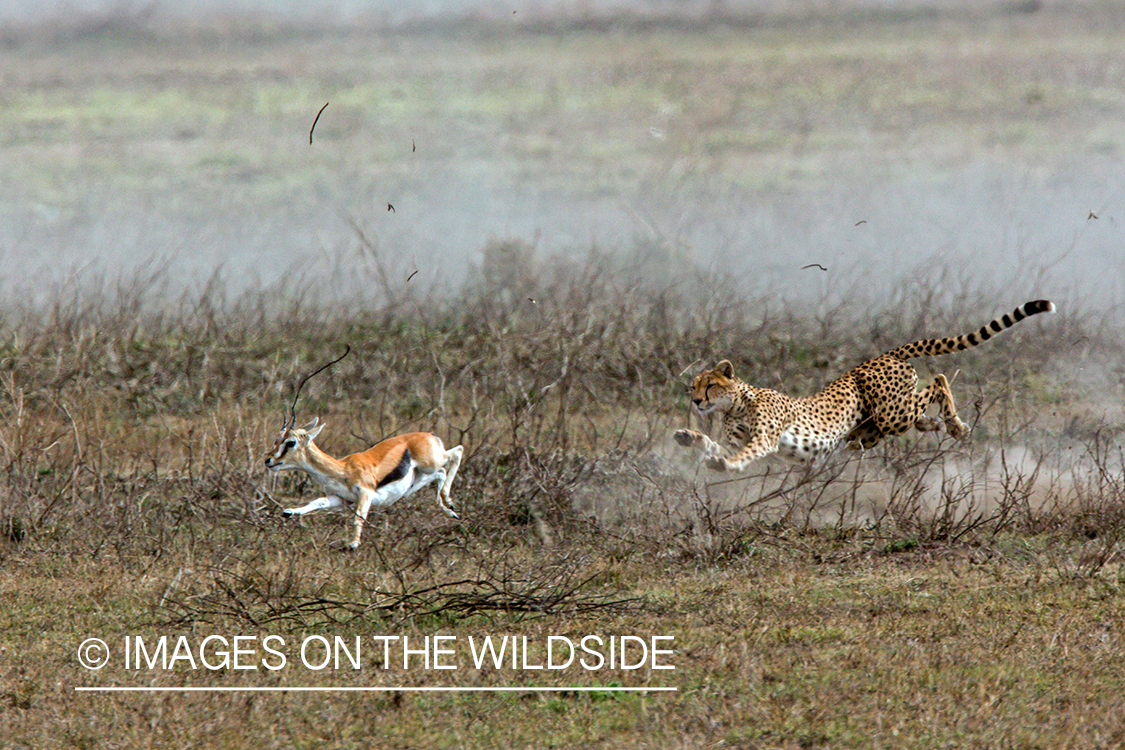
(329, 502)
(366, 498)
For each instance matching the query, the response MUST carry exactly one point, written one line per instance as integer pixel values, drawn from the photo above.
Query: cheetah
(874, 400)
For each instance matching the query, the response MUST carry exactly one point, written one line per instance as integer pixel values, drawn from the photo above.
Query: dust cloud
(101, 178)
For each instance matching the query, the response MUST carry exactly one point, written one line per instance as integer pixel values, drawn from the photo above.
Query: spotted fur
(874, 400)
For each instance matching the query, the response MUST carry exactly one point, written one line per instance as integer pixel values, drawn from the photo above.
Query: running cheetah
(877, 399)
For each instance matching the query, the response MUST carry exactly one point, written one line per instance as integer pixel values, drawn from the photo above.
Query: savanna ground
(924, 594)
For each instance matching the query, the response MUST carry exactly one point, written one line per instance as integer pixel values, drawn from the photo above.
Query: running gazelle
(379, 476)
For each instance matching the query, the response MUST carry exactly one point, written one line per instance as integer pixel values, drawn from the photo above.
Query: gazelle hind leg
(449, 472)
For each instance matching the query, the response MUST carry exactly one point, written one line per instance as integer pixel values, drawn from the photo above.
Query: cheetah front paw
(716, 463)
(687, 438)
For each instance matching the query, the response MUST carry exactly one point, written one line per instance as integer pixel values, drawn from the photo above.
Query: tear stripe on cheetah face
(874, 400)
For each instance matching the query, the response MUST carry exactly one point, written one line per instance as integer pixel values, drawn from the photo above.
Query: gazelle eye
(290, 444)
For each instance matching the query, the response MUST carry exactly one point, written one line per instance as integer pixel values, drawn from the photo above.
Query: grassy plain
(923, 595)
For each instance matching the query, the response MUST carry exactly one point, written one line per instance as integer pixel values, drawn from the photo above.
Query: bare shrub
(258, 595)
(133, 427)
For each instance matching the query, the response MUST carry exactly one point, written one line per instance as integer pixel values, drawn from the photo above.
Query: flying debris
(315, 121)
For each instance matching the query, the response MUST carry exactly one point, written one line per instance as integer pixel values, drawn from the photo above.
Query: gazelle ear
(311, 425)
(313, 429)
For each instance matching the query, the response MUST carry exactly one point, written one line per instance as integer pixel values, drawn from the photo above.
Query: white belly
(801, 448)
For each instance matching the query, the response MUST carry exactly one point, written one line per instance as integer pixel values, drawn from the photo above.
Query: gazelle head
(292, 445)
(293, 442)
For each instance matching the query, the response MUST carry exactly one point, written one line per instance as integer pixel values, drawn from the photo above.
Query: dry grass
(968, 604)
(926, 594)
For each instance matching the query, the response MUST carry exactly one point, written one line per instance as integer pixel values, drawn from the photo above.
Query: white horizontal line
(425, 689)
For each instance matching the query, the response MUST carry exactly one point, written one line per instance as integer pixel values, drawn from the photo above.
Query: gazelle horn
(293, 407)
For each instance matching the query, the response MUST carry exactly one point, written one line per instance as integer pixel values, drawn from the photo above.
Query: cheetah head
(714, 390)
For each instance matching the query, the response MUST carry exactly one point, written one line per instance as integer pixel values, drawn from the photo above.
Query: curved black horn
(293, 407)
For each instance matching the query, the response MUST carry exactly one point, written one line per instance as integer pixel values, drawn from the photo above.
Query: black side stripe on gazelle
(399, 471)
(934, 347)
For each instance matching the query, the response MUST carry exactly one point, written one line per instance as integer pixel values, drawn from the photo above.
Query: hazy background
(972, 142)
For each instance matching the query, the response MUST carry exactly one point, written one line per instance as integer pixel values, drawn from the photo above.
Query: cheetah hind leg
(928, 424)
(864, 436)
(938, 392)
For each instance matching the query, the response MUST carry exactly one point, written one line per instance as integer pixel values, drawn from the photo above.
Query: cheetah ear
(725, 368)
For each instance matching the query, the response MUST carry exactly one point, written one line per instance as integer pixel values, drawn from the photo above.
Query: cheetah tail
(935, 347)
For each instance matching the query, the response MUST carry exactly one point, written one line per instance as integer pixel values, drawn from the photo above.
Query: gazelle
(379, 476)
(382, 474)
